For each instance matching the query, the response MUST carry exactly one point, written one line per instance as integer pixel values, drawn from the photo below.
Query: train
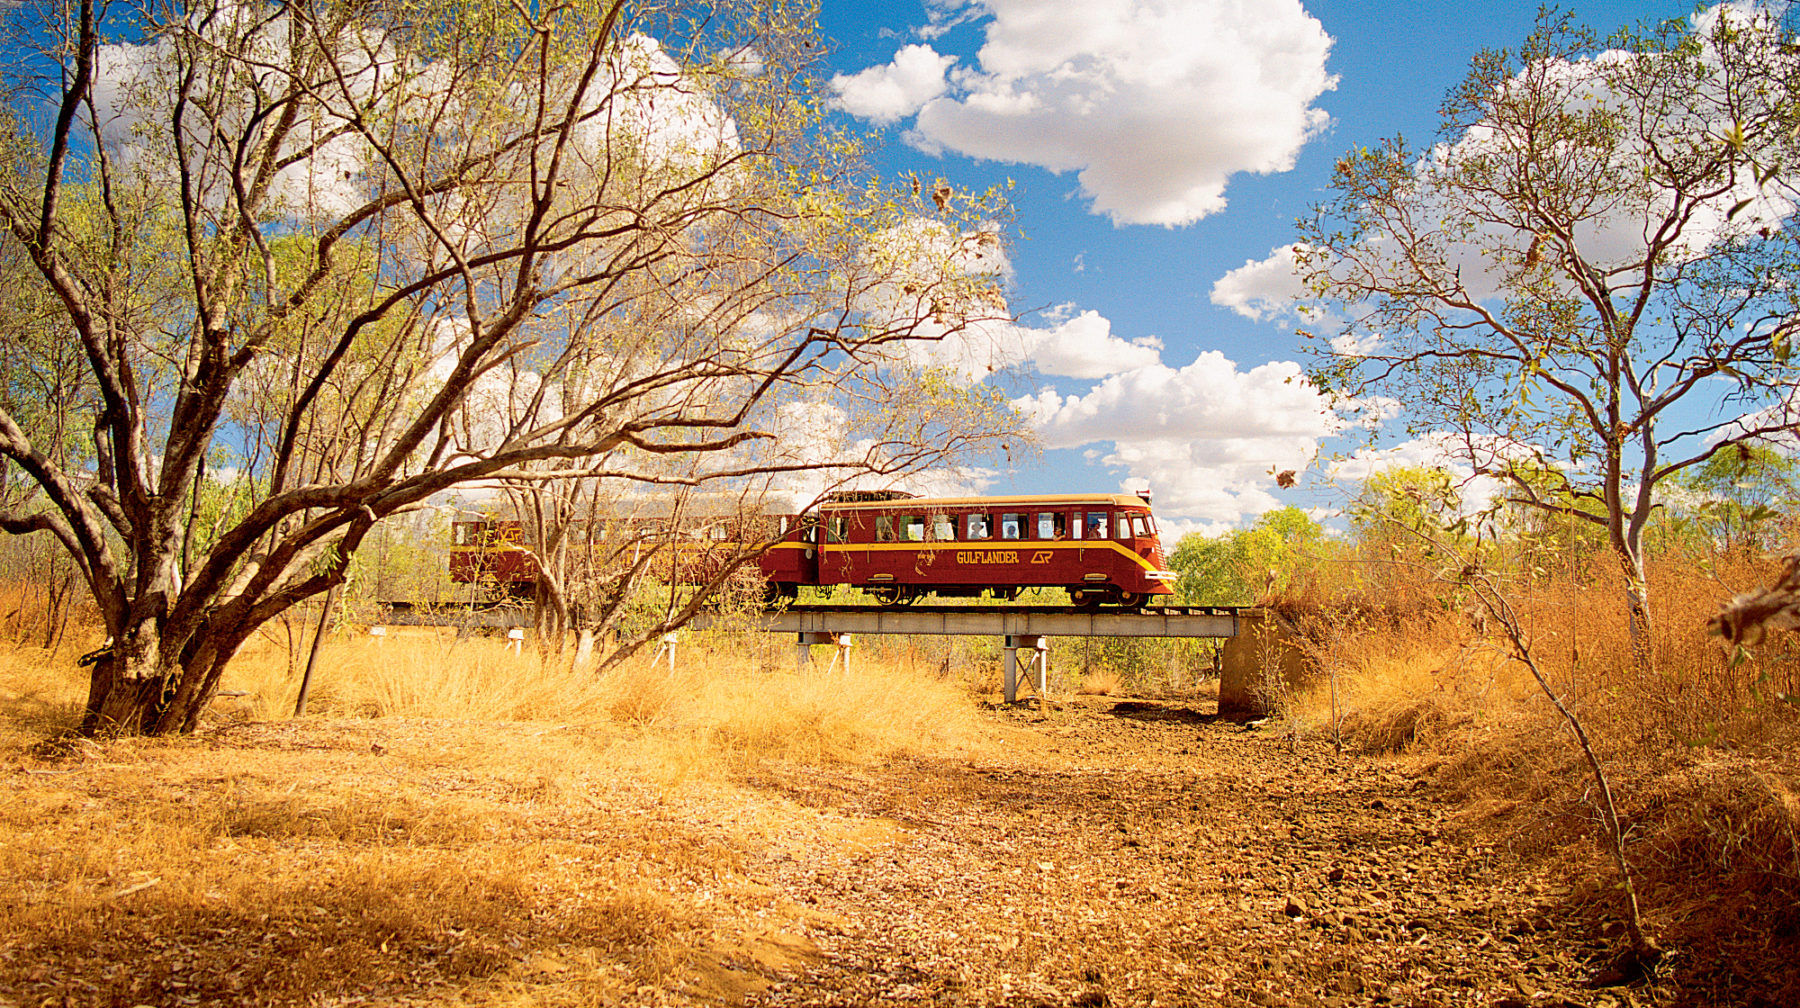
(1103, 549)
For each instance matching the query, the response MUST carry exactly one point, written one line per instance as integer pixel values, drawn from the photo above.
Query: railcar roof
(1024, 500)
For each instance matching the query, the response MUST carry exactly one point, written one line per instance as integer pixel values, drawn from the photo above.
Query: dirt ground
(1114, 852)
(1149, 854)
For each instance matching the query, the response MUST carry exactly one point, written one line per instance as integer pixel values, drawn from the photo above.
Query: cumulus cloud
(948, 288)
(1207, 437)
(1083, 346)
(885, 93)
(1263, 289)
(1155, 104)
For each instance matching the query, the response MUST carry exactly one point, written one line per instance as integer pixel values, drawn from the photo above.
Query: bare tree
(393, 234)
(1583, 270)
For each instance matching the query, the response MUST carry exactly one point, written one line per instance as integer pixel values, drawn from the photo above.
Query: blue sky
(1251, 87)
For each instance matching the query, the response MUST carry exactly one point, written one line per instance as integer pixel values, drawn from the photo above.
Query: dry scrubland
(455, 824)
(1701, 748)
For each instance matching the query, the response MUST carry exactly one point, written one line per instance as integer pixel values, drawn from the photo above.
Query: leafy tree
(1581, 268)
(1274, 555)
(363, 254)
(1743, 495)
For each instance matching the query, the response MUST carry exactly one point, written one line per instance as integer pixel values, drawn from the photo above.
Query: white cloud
(1154, 103)
(886, 93)
(1083, 346)
(948, 289)
(1263, 288)
(1207, 437)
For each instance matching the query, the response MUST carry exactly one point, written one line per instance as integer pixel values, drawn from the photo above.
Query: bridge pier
(1037, 649)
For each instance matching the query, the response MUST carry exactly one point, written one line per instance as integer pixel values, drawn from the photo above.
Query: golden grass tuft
(1100, 681)
(722, 704)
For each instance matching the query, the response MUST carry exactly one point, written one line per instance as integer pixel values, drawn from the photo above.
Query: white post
(1042, 657)
(842, 654)
(379, 633)
(668, 648)
(515, 640)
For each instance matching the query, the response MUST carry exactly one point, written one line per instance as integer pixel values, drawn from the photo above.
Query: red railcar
(1101, 548)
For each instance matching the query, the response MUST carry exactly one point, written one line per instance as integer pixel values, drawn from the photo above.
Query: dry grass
(722, 708)
(1701, 748)
(1101, 681)
(284, 863)
(453, 823)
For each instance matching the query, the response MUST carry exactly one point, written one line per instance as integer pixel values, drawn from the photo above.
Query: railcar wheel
(893, 595)
(1086, 598)
(1131, 600)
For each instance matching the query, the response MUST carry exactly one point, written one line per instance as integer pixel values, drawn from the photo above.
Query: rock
(1295, 907)
(1335, 875)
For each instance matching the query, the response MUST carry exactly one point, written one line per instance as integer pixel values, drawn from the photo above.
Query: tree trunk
(1637, 606)
(149, 687)
(550, 606)
(129, 687)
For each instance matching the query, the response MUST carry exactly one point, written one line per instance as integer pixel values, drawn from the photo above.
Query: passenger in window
(1096, 524)
(978, 526)
(1010, 526)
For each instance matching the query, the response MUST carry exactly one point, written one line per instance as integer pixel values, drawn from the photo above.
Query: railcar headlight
(1162, 575)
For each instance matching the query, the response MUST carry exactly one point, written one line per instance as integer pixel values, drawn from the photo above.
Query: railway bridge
(1025, 628)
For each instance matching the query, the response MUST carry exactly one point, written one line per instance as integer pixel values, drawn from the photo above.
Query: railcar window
(912, 528)
(1141, 525)
(1122, 525)
(884, 528)
(837, 530)
(1051, 525)
(943, 528)
(1012, 525)
(977, 526)
(1096, 524)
